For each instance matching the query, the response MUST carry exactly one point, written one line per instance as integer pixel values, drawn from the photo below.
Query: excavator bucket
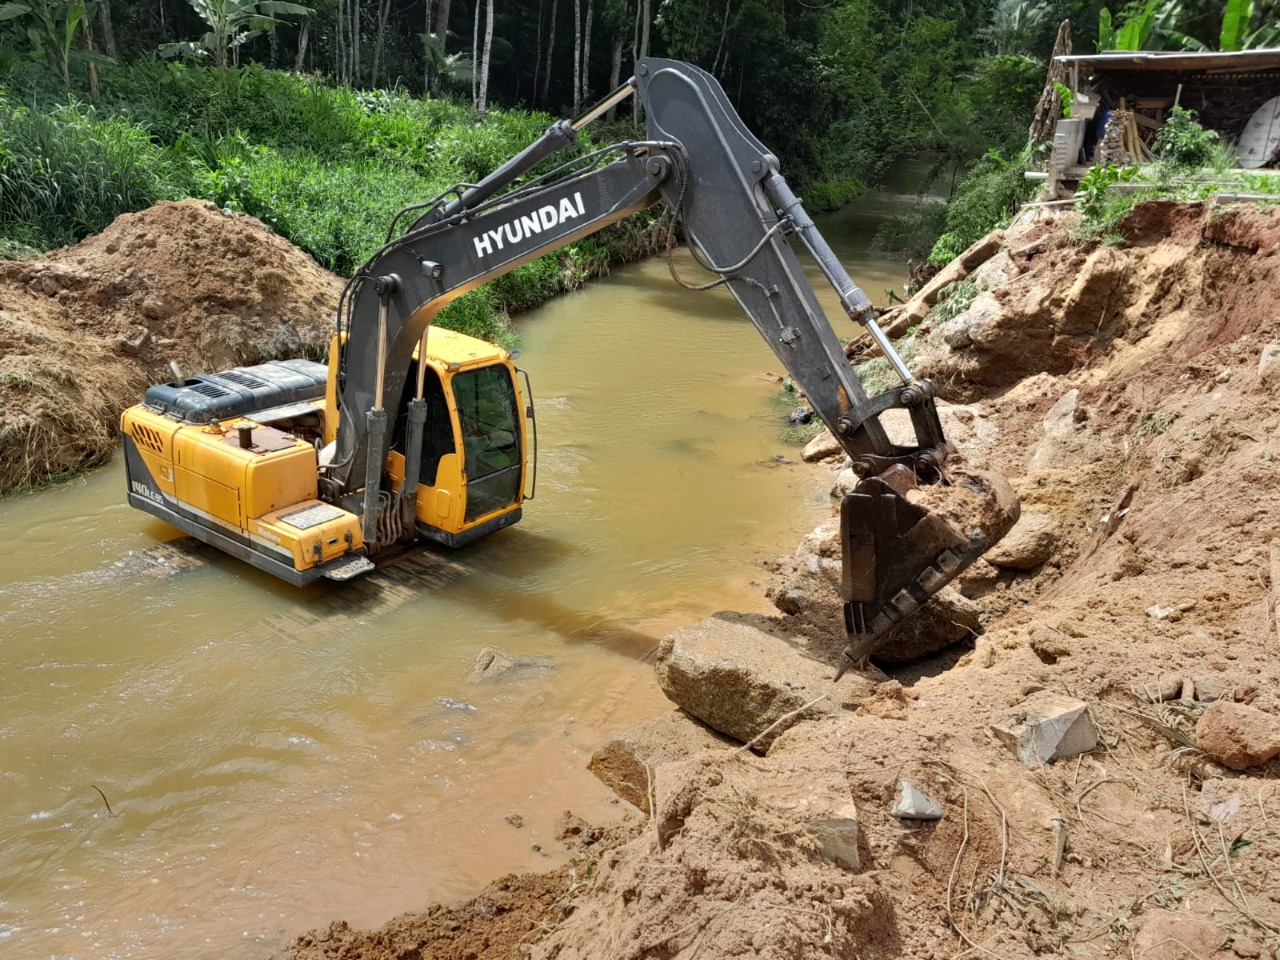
(904, 542)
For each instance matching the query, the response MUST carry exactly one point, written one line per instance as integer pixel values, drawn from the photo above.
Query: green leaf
(1186, 42)
(11, 11)
(280, 7)
(1106, 32)
(1235, 24)
(1239, 846)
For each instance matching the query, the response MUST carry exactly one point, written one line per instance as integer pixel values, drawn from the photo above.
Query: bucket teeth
(898, 554)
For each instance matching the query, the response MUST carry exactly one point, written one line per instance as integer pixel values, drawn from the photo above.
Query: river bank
(1126, 391)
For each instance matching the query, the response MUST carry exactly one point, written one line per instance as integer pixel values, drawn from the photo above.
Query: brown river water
(277, 758)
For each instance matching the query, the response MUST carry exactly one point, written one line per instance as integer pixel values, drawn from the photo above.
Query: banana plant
(1149, 27)
(231, 23)
(1234, 34)
(51, 28)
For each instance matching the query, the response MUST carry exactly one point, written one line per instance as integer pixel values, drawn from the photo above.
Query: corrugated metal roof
(1242, 61)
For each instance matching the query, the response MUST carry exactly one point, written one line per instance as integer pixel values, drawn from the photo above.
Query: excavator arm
(911, 525)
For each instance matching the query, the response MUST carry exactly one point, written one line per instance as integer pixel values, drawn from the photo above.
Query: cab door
(490, 424)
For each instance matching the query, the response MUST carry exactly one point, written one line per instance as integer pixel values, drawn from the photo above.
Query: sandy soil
(85, 329)
(1119, 389)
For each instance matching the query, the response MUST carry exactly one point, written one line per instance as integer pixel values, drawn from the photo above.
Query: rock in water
(493, 663)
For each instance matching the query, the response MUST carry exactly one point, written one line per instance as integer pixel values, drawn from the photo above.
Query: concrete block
(1048, 726)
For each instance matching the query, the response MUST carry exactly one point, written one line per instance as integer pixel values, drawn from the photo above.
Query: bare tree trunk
(303, 37)
(355, 42)
(475, 57)
(93, 69)
(442, 33)
(644, 12)
(384, 11)
(551, 54)
(484, 62)
(586, 54)
(724, 27)
(577, 56)
(339, 43)
(108, 33)
(615, 72)
(537, 65)
(645, 20)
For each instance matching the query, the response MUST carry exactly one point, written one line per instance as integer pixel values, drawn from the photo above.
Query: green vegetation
(323, 118)
(1192, 165)
(325, 166)
(1183, 143)
(955, 299)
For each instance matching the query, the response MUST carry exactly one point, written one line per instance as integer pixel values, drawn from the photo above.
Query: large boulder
(740, 680)
(1032, 542)
(946, 619)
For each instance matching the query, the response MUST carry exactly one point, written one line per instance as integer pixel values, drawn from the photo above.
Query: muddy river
(276, 758)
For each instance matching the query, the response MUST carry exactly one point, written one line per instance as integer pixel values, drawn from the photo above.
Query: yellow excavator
(414, 431)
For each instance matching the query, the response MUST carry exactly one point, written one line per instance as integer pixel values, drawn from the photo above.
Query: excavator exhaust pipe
(903, 543)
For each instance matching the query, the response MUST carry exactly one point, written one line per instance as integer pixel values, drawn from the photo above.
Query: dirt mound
(85, 328)
(494, 924)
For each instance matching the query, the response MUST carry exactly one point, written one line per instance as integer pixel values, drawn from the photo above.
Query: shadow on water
(486, 578)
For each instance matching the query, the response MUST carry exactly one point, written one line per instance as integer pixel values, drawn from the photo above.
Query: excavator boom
(741, 219)
(911, 525)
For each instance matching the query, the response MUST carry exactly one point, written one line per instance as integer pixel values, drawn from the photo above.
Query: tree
(551, 50)
(384, 11)
(584, 95)
(52, 28)
(484, 62)
(232, 23)
(442, 36)
(1234, 34)
(108, 31)
(577, 56)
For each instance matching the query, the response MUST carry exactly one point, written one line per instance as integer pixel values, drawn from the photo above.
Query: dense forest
(322, 119)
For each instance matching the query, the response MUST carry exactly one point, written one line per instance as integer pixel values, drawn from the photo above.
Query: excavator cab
(474, 441)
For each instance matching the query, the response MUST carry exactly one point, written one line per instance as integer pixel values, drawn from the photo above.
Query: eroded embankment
(85, 329)
(1128, 392)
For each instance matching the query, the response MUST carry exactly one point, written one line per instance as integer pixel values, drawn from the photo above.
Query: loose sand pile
(1097, 378)
(85, 329)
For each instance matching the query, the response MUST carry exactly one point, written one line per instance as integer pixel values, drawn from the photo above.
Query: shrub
(1183, 143)
(825, 195)
(989, 196)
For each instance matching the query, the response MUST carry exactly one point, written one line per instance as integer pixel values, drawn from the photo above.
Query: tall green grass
(68, 173)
